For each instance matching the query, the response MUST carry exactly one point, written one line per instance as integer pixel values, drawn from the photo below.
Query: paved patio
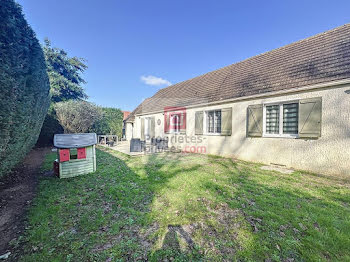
(123, 147)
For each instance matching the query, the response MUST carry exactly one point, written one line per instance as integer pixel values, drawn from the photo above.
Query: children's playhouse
(76, 154)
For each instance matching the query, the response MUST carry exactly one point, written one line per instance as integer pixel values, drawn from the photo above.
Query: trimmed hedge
(24, 86)
(111, 122)
(51, 126)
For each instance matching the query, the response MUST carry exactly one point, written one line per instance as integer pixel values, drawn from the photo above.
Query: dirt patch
(143, 236)
(220, 238)
(17, 191)
(216, 234)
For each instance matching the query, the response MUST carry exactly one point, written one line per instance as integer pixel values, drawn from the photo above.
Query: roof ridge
(261, 54)
(319, 58)
(293, 43)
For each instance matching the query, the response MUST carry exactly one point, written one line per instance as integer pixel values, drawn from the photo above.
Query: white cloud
(154, 81)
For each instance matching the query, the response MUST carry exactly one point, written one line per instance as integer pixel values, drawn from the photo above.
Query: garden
(187, 207)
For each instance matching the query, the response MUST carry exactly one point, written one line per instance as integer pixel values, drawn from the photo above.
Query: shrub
(77, 116)
(51, 126)
(110, 123)
(24, 86)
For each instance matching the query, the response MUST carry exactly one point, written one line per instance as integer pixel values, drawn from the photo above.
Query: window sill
(76, 160)
(175, 133)
(280, 136)
(212, 134)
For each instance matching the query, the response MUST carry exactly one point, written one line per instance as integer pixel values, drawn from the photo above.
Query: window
(290, 118)
(82, 153)
(64, 154)
(213, 122)
(174, 120)
(175, 123)
(73, 153)
(297, 119)
(281, 119)
(272, 119)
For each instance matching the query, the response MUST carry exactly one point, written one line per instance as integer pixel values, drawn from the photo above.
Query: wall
(128, 131)
(78, 167)
(328, 154)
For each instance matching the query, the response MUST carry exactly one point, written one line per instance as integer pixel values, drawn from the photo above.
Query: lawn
(177, 207)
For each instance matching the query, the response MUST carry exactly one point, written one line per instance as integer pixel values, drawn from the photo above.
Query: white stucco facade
(128, 130)
(329, 154)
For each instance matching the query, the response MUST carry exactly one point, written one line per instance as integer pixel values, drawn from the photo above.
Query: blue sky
(132, 45)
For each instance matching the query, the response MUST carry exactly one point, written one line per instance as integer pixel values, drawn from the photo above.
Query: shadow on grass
(172, 249)
(100, 216)
(160, 169)
(290, 221)
(109, 215)
(138, 187)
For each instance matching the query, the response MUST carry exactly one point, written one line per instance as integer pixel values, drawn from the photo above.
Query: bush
(111, 122)
(77, 116)
(51, 126)
(24, 86)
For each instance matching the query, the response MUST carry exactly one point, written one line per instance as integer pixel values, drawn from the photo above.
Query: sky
(134, 48)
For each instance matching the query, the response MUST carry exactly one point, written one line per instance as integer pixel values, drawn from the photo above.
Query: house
(76, 154)
(125, 116)
(289, 106)
(128, 126)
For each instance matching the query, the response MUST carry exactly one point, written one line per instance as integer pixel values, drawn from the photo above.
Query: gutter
(332, 84)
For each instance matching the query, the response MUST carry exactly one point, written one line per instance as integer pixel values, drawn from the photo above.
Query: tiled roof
(131, 116)
(125, 114)
(319, 59)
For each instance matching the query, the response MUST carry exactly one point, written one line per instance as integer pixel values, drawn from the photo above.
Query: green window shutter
(310, 117)
(153, 126)
(199, 123)
(142, 129)
(255, 121)
(183, 123)
(226, 121)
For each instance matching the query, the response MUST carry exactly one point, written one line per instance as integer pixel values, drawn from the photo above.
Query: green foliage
(111, 122)
(50, 127)
(24, 86)
(66, 84)
(77, 116)
(64, 74)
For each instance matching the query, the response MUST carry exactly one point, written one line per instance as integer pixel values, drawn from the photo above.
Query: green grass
(48, 162)
(188, 208)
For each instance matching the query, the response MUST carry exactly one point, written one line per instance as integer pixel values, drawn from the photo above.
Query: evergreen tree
(66, 83)
(64, 74)
(24, 86)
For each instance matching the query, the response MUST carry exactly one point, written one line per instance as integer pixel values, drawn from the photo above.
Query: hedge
(51, 126)
(24, 86)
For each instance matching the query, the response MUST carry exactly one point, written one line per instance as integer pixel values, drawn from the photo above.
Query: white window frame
(205, 127)
(175, 131)
(280, 133)
(147, 126)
